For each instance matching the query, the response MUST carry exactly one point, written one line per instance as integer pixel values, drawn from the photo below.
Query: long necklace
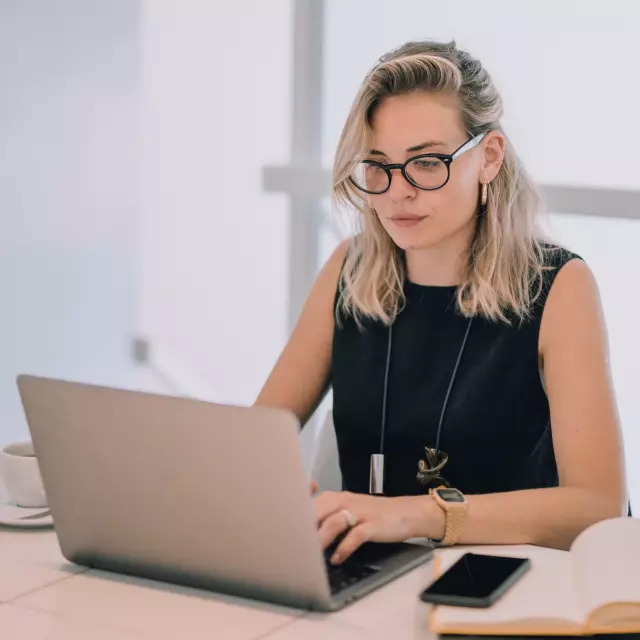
(429, 469)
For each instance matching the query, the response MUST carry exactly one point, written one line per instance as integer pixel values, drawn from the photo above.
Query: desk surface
(42, 596)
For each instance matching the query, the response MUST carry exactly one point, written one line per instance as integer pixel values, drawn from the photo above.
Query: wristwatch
(455, 507)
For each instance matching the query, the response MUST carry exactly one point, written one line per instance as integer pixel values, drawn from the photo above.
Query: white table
(42, 596)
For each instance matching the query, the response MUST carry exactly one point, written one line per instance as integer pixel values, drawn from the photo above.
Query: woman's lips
(406, 220)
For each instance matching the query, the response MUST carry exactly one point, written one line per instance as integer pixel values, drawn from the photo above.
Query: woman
(462, 350)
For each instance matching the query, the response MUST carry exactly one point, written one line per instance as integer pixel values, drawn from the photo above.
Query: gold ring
(352, 520)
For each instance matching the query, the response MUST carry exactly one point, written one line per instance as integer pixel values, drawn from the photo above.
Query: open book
(593, 589)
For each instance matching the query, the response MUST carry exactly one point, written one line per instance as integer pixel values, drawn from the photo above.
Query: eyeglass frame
(447, 158)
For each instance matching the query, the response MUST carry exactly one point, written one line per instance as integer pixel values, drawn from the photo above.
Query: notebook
(593, 589)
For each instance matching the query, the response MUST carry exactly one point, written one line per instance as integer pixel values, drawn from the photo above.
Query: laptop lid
(178, 490)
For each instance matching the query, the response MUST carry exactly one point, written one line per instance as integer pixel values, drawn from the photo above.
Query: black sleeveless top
(496, 429)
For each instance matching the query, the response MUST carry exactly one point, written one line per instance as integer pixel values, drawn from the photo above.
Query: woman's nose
(400, 188)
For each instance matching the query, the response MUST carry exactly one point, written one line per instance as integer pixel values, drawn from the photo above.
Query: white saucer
(11, 516)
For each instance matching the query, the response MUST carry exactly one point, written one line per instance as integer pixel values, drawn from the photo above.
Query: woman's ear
(493, 146)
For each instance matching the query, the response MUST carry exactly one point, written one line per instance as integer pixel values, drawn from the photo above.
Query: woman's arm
(585, 427)
(300, 378)
(586, 438)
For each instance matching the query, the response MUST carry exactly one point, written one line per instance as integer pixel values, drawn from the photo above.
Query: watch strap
(454, 514)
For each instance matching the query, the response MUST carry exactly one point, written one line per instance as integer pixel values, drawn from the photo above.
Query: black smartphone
(476, 580)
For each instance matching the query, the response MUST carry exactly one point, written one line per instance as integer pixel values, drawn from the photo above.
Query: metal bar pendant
(376, 474)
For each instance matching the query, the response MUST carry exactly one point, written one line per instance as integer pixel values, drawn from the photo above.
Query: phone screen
(474, 577)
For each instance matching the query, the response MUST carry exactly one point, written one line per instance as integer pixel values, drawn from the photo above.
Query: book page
(607, 563)
(543, 600)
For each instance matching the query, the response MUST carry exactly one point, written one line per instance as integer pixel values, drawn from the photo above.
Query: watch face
(451, 495)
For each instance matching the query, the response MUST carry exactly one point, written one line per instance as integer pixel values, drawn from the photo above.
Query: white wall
(216, 85)
(68, 192)
(110, 109)
(134, 136)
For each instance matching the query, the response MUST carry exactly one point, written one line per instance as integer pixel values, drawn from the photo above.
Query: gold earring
(484, 194)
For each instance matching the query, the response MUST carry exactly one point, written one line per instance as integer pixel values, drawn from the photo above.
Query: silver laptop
(193, 493)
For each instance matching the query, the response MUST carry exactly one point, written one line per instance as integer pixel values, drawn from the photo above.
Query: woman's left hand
(374, 518)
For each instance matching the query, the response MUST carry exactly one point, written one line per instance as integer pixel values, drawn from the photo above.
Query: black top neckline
(414, 291)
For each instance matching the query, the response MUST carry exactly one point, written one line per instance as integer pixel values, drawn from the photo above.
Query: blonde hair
(506, 256)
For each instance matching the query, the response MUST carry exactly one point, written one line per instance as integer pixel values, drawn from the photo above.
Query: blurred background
(164, 174)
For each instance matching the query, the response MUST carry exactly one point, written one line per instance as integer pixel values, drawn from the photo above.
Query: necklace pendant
(429, 469)
(376, 474)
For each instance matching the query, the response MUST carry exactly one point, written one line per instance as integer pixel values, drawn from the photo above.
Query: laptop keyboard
(363, 563)
(368, 560)
(348, 573)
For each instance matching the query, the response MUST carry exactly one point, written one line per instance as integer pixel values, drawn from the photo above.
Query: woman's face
(413, 124)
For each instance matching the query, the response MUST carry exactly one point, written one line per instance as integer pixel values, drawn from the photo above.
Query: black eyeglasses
(429, 171)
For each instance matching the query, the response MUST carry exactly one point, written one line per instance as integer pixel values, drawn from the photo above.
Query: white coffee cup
(21, 475)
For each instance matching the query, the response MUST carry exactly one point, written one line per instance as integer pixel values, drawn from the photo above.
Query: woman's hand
(377, 519)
